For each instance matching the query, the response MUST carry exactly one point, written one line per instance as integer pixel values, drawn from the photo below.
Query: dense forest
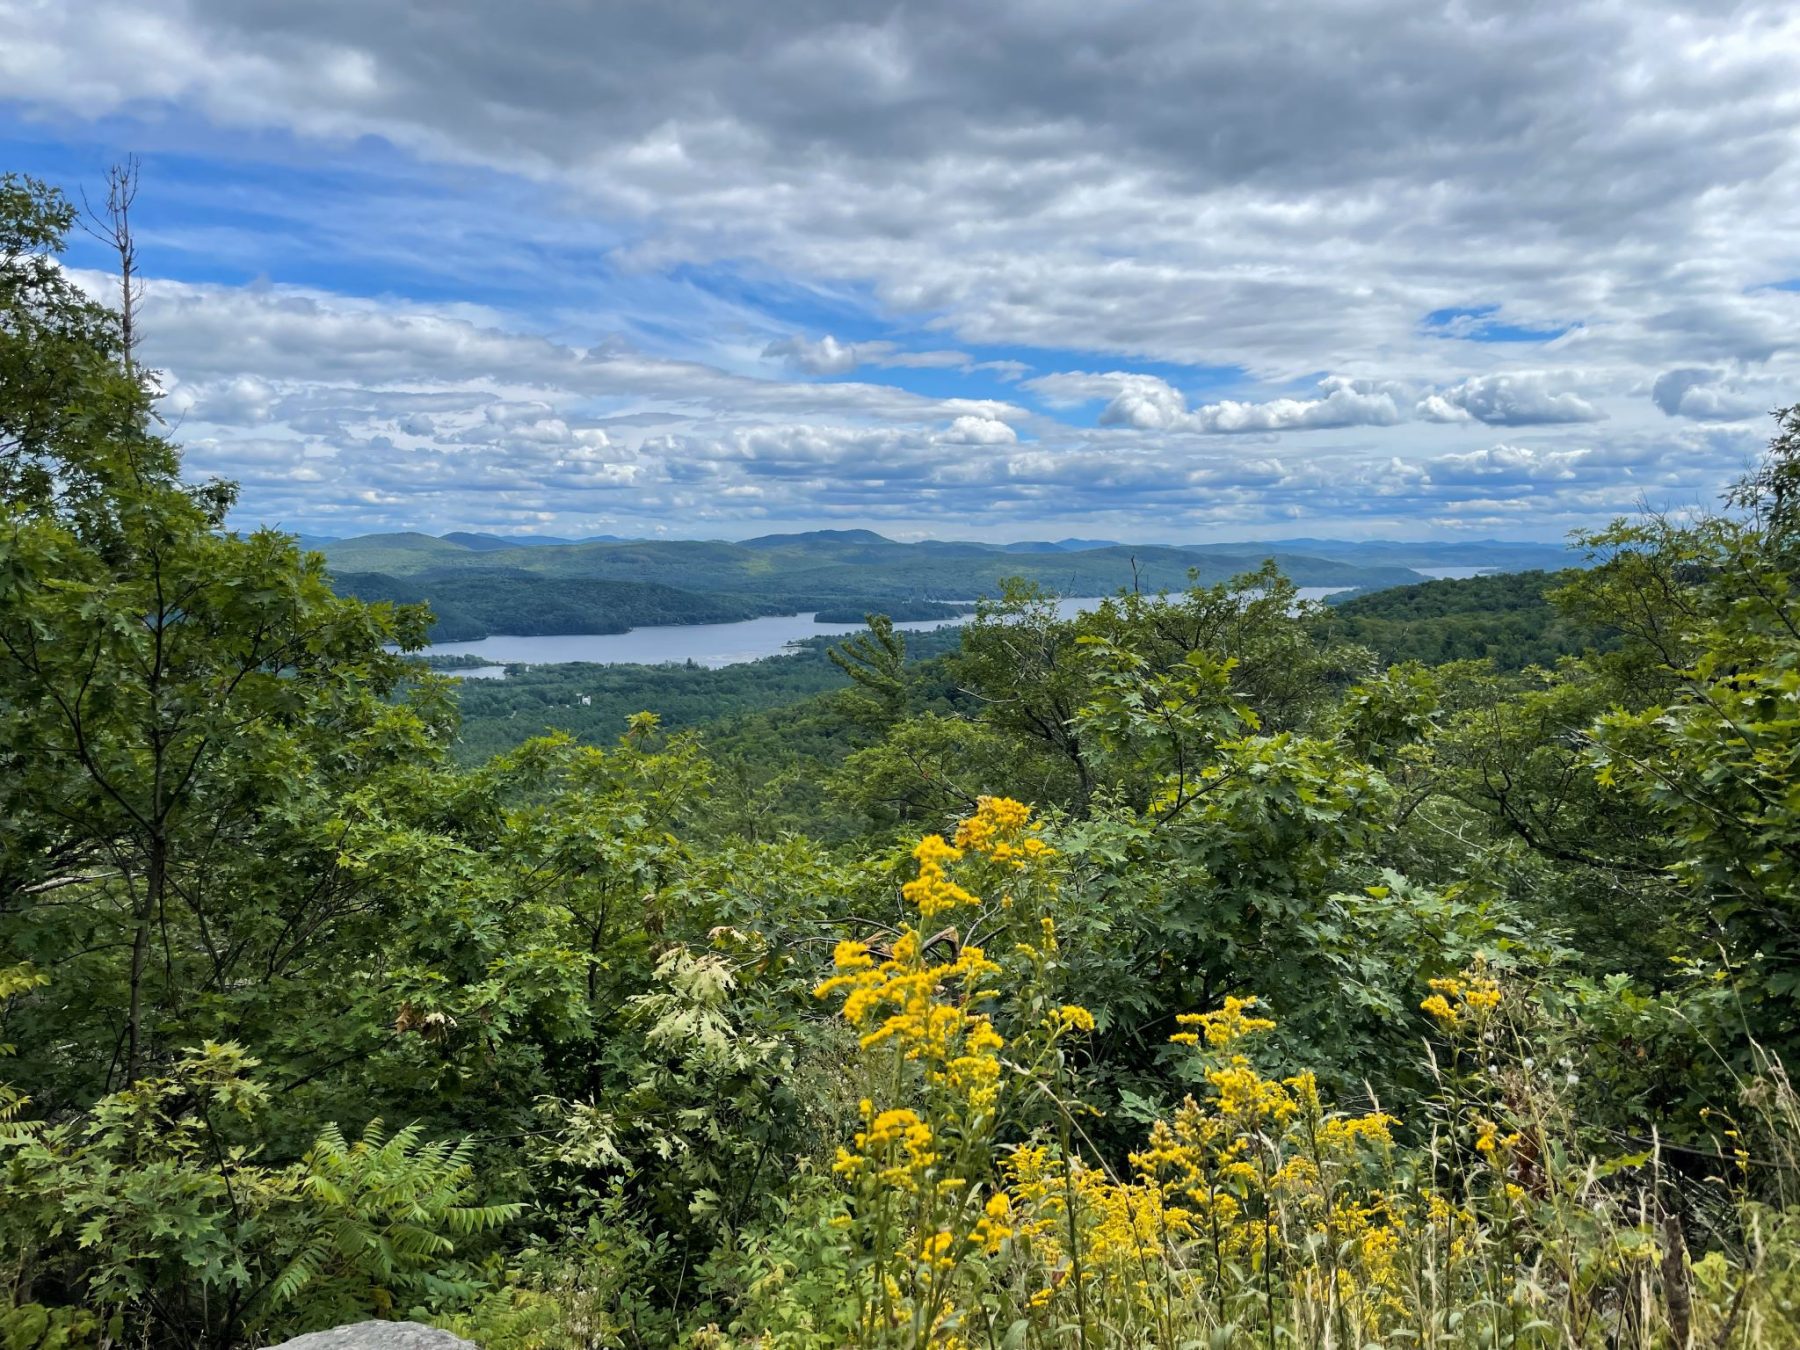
(1509, 619)
(468, 607)
(1210, 969)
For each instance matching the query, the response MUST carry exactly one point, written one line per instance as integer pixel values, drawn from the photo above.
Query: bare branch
(111, 226)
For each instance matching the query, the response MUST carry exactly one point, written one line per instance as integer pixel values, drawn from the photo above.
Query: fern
(386, 1211)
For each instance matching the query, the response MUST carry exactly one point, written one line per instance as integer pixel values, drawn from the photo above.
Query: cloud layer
(1168, 268)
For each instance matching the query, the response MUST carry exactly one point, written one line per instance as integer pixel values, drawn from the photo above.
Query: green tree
(174, 698)
(1715, 756)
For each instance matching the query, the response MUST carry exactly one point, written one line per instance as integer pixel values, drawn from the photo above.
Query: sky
(1176, 270)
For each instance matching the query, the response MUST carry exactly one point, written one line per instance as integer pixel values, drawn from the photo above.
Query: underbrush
(969, 1208)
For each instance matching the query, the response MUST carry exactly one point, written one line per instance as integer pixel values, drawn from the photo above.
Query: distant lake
(705, 644)
(1453, 573)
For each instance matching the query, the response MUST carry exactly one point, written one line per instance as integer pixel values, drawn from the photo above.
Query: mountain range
(482, 584)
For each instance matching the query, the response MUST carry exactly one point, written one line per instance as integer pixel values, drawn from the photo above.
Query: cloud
(663, 214)
(1708, 396)
(989, 166)
(828, 356)
(1507, 461)
(340, 413)
(980, 431)
(1149, 403)
(1508, 401)
(1006, 370)
(296, 346)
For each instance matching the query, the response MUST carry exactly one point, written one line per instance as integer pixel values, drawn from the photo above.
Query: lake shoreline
(710, 645)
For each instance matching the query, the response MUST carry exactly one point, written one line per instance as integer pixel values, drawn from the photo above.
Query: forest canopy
(1204, 969)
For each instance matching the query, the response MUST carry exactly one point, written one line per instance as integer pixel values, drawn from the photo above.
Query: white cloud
(1148, 403)
(972, 182)
(1507, 461)
(828, 356)
(980, 431)
(1711, 395)
(1509, 400)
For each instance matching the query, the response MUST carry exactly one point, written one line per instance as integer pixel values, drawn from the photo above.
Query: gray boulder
(378, 1336)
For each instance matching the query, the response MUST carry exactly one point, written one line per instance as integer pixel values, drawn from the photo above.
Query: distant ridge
(1060, 546)
(1501, 554)
(811, 536)
(482, 584)
(487, 543)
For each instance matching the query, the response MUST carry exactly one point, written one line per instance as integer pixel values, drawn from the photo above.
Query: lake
(1453, 573)
(705, 644)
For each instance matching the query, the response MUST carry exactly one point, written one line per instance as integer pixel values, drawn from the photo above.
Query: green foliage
(1508, 619)
(876, 664)
(265, 884)
(499, 714)
(151, 1214)
(473, 605)
(1712, 761)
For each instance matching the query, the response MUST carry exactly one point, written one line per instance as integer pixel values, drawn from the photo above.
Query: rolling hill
(487, 584)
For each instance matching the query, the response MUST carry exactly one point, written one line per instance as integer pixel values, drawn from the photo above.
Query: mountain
(820, 538)
(488, 543)
(475, 605)
(406, 552)
(1498, 554)
(494, 586)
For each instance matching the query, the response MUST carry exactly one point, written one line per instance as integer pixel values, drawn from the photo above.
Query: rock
(379, 1336)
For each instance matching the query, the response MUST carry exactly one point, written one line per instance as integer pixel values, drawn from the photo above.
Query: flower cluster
(1222, 1026)
(1253, 1182)
(894, 1146)
(919, 1169)
(1002, 829)
(1489, 1141)
(1463, 1002)
(900, 1001)
(932, 891)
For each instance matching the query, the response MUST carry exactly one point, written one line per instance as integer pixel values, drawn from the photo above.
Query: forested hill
(1507, 619)
(474, 605)
(545, 588)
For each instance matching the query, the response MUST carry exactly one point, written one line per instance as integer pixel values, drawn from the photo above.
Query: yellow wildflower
(1073, 1017)
(1223, 1026)
(851, 955)
(1470, 998)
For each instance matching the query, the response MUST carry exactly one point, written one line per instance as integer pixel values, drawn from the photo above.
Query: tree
(875, 661)
(170, 691)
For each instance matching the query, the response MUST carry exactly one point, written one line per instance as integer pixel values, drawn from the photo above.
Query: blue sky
(1152, 270)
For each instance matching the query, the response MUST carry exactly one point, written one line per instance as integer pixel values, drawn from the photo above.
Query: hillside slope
(480, 586)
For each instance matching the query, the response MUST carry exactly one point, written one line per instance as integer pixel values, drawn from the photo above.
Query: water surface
(705, 644)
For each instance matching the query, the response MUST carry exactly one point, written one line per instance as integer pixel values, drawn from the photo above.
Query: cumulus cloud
(1531, 399)
(1149, 403)
(1507, 461)
(989, 165)
(980, 431)
(1708, 396)
(827, 356)
(396, 414)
